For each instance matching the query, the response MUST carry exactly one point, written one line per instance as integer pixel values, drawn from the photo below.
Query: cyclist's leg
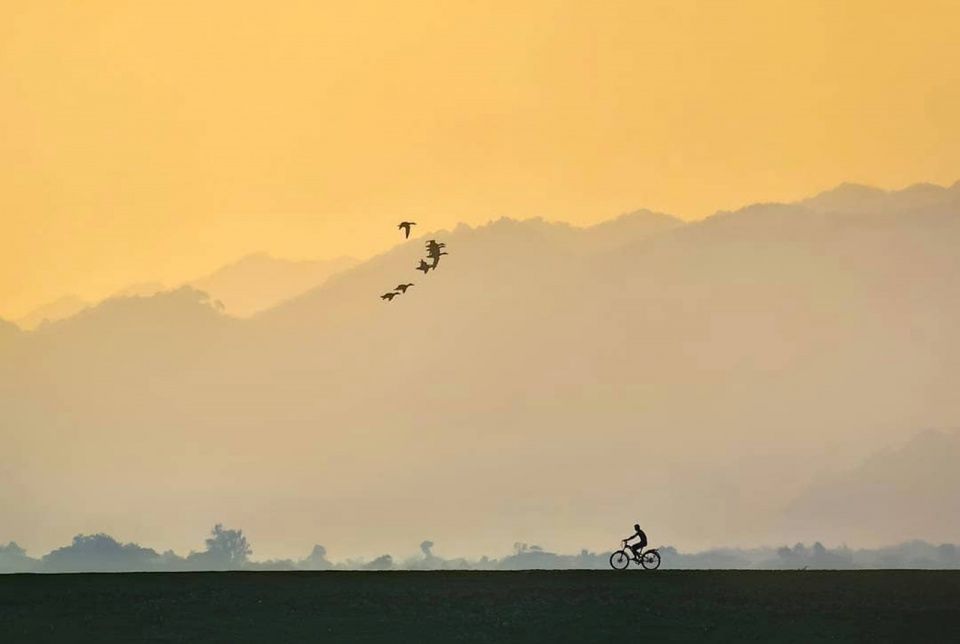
(636, 547)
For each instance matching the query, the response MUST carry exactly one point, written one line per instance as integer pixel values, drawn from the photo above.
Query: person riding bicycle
(639, 545)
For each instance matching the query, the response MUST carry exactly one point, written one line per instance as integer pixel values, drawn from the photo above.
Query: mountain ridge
(638, 225)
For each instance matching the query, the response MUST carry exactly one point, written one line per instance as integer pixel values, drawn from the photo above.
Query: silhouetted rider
(640, 544)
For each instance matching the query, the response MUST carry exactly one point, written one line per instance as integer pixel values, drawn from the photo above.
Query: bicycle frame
(642, 560)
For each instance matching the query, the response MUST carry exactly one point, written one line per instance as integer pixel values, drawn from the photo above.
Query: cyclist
(640, 544)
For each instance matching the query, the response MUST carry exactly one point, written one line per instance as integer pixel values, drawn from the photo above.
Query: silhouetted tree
(100, 552)
(316, 560)
(425, 547)
(226, 550)
(383, 562)
(229, 545)
(13, 558)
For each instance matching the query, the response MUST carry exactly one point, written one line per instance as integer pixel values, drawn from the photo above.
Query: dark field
(536, 606)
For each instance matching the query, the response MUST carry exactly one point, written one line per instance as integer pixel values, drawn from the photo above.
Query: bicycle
(620, 559)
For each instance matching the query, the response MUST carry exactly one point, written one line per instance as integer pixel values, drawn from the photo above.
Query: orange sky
(157, 141)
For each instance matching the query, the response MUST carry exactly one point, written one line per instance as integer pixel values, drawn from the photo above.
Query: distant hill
(254, 283)
(855, 198)
(70, 305)
(624, 230)
(548, 381)
(59, 309)
(257, 282)
(140, 289)
(8, 332)
(898, 492)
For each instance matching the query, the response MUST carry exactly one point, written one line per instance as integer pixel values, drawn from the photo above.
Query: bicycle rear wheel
(650, 560)
(619, 560)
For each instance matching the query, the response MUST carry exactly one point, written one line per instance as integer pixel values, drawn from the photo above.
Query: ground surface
(536, 606)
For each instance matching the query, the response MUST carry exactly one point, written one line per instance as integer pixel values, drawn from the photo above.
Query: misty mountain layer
(713, 380)
(252, 284)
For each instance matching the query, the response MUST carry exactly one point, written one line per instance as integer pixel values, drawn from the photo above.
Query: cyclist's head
(636, 526)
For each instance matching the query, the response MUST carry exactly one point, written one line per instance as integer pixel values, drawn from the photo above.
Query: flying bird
(389, 296)
(436, 258)
(435, 254)
(434, 251)
(403, 287)
(405, 227)
(423, 267)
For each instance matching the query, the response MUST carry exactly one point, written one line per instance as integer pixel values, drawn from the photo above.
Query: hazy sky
(158, 140)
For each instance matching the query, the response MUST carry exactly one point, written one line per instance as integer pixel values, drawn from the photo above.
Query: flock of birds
(434, 253)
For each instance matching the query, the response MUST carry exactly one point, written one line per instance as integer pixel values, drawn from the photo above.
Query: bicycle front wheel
(619, 560)
(651, 560)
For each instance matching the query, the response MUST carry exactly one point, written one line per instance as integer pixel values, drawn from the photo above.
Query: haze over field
(763, 376)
